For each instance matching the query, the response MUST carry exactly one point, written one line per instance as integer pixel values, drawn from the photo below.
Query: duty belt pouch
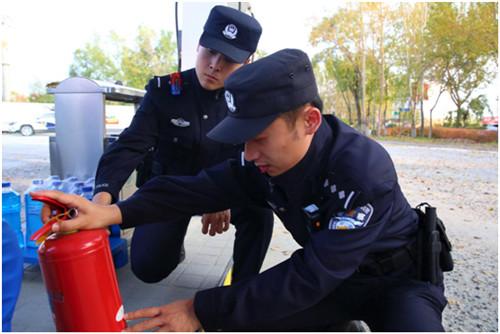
(433, 243)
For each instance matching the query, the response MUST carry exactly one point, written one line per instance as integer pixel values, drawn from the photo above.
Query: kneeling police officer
(334, 189)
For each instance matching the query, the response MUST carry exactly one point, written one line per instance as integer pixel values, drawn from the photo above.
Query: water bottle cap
(57, 183)
(87, 188)
(5, 184)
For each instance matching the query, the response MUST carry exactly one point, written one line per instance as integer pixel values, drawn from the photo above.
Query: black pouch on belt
(434, 245)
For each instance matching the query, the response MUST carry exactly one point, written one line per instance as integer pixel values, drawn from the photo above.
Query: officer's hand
(178, 316)
(218, 222)
(90, 216)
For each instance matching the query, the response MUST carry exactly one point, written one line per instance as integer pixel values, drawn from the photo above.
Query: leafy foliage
(133, 66)
(381, 54)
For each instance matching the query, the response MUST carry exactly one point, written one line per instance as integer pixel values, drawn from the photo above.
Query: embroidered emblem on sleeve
(356, 218)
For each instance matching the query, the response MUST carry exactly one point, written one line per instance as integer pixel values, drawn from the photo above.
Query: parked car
(28, 127)
(492, 126)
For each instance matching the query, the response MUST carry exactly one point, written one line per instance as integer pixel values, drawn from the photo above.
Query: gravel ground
(463, 185)
(461, 182)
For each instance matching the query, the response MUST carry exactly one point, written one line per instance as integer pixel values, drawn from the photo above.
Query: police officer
(333, 188)
(170, 127)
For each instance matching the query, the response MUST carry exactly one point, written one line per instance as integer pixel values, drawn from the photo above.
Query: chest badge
(180, 122)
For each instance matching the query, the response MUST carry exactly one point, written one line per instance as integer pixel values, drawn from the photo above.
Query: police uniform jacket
(174, 126)
(349, 177)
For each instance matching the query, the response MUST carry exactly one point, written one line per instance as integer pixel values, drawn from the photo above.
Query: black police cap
(231, 32)
(257, 93)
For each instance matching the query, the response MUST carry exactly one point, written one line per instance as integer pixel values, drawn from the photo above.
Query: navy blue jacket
(350, 178)
(175, 126)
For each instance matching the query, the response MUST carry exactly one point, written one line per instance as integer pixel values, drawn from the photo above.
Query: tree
(134, 66)
(467, 39)
(39, 93)
(341, 36)
(94, 63)
(381, 19)
(477, 106)
(411, 53)
(149, 57)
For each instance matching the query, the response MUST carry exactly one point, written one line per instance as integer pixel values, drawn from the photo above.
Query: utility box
(80, 135)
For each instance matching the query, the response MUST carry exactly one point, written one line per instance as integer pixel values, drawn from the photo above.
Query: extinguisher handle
(57, 207)
(54, 205)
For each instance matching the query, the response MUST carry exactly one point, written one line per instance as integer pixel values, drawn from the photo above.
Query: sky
(43, 35)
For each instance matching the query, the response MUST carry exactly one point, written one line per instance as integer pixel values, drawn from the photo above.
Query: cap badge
(230, 101)
(230, 31)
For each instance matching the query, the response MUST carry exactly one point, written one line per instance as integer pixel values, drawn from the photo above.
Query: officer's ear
(312, 119)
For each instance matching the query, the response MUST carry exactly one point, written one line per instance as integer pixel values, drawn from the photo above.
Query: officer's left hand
(218, 222)
(178, 316)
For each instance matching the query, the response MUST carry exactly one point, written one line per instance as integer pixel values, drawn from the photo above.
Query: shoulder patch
(355, 218)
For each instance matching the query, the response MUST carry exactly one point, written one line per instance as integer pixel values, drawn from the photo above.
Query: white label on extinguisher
(120, 314)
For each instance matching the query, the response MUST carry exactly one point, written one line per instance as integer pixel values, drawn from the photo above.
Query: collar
(204, 93)
(311, 164)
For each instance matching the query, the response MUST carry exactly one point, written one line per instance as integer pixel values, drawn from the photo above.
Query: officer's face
(212, 68)
(280, 147)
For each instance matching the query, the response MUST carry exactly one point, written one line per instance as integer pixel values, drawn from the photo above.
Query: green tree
(341, 37)
(410, 53)
(93, 62)
(150, 56)
(467, 44)
(477, 106)
(134, 66)
(39, 93)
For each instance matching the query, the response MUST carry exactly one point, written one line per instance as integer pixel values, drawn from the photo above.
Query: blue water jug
(57, 185)
(11, 211)
(68, 184)
(32, 209)
(48, 182)
(88, 192)
(77, 188)
(90, 182)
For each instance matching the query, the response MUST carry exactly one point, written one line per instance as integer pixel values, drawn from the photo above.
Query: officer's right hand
(218, 222)
(90, 215)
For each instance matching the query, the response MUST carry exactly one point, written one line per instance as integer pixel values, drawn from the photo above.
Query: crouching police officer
(170, 128)
(334, 189)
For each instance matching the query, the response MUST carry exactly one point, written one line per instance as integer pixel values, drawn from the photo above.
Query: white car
(28, 127)
(492, 126)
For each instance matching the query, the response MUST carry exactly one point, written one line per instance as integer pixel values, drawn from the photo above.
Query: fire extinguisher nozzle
(72, 213)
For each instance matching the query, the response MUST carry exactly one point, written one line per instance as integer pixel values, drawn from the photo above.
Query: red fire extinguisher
(79, 276)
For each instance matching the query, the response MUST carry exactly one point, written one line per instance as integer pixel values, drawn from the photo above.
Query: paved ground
(206, 261)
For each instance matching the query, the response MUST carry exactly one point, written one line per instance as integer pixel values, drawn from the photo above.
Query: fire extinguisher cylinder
(81, 283)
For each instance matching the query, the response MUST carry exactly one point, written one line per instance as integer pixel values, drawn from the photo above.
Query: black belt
(391, 261)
